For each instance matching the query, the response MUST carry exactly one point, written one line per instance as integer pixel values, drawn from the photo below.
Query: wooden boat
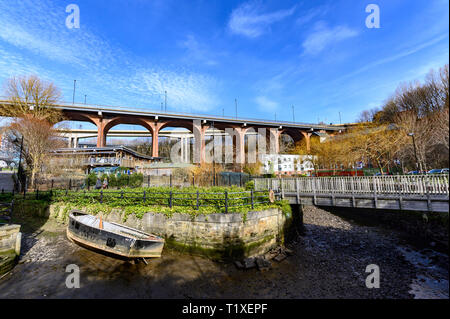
(112, 239)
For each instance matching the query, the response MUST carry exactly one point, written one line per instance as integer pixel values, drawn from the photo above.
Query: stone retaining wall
(218, 236)
(10, 239)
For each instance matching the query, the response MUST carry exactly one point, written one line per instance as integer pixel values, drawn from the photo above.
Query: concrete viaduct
(105, 118)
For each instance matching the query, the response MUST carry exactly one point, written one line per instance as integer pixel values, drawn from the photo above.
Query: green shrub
(91, 179)
(250, 185)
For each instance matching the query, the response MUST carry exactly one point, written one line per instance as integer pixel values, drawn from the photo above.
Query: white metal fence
(395, 184)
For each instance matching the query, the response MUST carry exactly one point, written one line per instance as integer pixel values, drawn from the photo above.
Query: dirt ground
(329, 261)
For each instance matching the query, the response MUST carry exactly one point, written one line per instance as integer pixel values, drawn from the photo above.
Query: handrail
(437, 184)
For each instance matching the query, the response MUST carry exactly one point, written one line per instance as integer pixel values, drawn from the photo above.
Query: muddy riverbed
(329, 261)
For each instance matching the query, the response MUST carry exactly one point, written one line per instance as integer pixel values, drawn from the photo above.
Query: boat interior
(96, 222)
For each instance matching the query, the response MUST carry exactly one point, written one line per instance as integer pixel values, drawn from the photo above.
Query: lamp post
(73, 99)
(214, 156)
(293, 114)
(418, 164)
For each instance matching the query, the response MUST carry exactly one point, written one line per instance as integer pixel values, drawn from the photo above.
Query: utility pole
(73, 99)
(19, 169)
(418, 164)
(235, 103)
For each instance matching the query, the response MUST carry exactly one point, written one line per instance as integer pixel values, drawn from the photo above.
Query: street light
(293, 114)
(415, 152)
(73, 99)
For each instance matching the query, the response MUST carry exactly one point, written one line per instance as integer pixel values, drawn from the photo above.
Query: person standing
(98, 183)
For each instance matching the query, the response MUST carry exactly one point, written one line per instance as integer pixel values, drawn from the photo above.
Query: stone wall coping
(10, 228)
(215, 218)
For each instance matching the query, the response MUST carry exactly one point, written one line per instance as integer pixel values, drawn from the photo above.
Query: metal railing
(6, 210)
(196, 200)
(395, 184)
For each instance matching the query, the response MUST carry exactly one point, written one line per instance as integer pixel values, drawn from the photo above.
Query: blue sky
(318, 56)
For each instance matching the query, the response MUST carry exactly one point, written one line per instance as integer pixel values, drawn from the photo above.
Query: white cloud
(197, 51)
(324, 36)
(185, 91)
(266, 104)
(311, 14)
(248, 20)
(37, 41)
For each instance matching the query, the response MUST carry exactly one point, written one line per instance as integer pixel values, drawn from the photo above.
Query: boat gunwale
(109, 251)
(156, 238)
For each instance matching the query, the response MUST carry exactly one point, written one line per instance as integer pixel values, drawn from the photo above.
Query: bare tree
(39, 137)
(30, 106)
(29, 95)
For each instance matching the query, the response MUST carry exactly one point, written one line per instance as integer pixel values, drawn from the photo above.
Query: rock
(270, 255)
(249, 263)
(280, 257)
(238, 264)
(263, 264)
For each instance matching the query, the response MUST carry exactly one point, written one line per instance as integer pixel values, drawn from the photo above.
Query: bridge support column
(240, 147)
(154, 127)
(307, 137)
(274, 146)
(101, 136)
(199, 131)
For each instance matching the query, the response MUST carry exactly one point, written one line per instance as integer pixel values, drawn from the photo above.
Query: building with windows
(91, 157)
(287, 164)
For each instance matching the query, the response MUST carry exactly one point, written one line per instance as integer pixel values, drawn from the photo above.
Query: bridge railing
(395, 184)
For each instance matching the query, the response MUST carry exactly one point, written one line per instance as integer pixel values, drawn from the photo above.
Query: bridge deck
(412, 193)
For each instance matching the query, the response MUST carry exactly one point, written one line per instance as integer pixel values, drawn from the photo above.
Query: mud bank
(329, 261)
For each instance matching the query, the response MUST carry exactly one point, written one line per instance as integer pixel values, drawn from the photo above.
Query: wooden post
(121, 194)
(375, 200)
(252, 198)
(226, 202)
(144, 196)
(148, 181)
(314, 191)
(353, 191)
(198, 203)
(428, 195)
(170, 199)
(170, 180)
